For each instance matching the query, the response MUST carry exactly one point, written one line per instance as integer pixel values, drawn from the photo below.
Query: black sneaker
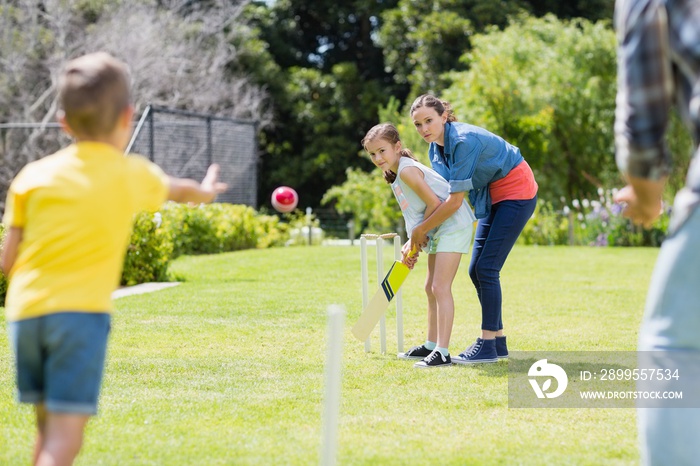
(501, 347)
(480, 352)
(417, 352)
(434, 359)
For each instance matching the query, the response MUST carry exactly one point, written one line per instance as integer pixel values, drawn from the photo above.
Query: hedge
(177, 229)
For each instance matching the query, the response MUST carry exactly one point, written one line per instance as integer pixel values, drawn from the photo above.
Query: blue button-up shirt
(471, 159)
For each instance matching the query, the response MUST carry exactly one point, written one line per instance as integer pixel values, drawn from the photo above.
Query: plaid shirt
(658, 62)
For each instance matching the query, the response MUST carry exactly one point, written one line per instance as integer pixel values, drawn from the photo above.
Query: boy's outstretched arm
(186, 190)
(10, 248)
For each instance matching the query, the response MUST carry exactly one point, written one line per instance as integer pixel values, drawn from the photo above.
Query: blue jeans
(672, 323)
(493, 240)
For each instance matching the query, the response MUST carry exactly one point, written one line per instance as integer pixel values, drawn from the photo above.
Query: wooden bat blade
(380, 301)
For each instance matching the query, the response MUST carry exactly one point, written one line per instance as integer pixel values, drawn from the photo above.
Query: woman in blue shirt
(502, 190)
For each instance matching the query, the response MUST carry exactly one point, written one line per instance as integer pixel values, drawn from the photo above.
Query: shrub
(546, 226)
(597, 222)
(191, 231)
(214, 228)
(235, 226)
(149, 252)
(157, 238)
(271, 232)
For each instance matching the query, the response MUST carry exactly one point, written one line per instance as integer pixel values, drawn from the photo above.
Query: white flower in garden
(157, 219)
(580, 216)
(596, 204)
(575, 203)
(601, 192)
(585, 203)
(566, 210)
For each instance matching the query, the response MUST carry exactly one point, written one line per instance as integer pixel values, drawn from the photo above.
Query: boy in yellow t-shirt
(69, 218)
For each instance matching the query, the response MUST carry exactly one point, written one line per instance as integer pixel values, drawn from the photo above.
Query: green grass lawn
(228, 368)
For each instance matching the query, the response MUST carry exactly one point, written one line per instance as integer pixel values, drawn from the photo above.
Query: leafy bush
(597, 222)
(204, 229)
(546, 227)
(214, 228)
(157, 238)
(149, 252)
(271, 232)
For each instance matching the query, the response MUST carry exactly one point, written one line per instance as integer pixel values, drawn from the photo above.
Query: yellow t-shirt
(76, 208)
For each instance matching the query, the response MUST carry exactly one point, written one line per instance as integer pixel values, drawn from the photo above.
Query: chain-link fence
(182, 143)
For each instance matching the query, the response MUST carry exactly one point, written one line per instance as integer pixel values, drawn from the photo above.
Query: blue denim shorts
(60, 360)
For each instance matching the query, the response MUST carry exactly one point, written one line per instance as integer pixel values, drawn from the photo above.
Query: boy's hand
(193, 192)
(210, 182)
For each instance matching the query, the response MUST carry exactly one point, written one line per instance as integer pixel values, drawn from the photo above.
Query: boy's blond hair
(93, 91)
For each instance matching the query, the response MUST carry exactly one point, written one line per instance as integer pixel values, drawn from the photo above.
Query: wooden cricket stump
(379, 246)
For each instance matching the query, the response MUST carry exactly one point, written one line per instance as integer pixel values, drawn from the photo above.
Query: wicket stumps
(379, 246)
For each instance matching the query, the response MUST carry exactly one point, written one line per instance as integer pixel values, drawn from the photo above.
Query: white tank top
(413, 207)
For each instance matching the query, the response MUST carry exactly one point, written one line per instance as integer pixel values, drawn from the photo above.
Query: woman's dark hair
(440, 106)
(387, 132)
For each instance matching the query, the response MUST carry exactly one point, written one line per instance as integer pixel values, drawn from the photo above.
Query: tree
(423, 40)
(548, 86)
(180, 55)
(592, 10)
(326, 78)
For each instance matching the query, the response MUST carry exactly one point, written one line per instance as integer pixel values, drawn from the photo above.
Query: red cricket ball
(284, 199)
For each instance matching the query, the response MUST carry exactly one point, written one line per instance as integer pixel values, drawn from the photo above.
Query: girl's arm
(437, 216)
(415, 179)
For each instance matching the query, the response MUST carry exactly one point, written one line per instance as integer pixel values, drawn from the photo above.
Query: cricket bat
(380, 301)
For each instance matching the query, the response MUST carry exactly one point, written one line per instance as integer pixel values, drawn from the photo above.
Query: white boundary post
(331, 402)
(399, 301)
(365, 282)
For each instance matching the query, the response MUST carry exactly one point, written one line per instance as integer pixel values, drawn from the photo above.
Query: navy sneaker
(480, 352)
(501, 347)
(417, 352)
(434, 359)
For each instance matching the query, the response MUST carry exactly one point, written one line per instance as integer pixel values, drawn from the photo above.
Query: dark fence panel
(182, 143)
